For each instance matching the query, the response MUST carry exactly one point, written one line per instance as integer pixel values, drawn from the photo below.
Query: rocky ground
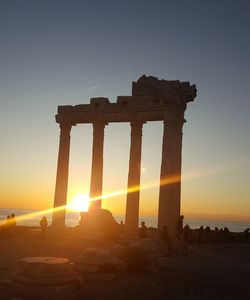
(208, 272)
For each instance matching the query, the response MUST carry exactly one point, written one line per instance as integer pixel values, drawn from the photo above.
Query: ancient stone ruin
(46, 278)
(152, 100)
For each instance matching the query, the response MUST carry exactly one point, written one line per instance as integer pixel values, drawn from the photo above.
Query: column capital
(137, 123)
(136, 127)
(65, 126)
(98, 126)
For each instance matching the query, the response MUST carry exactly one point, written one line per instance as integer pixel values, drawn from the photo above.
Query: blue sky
(65, 52)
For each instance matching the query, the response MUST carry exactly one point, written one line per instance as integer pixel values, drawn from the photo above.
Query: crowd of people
(196, 236)
(8, 227)
(205, 235)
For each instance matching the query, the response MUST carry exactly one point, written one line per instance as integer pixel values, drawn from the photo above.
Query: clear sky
(65, 52)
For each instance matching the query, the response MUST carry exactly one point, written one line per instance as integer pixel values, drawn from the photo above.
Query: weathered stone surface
(118, 251)
(127, 239)
(5, 285)
(161, 264)
(82, 268)
(172, 90)
(140, 255)
(149, 102)
(99, 100)
(70, 291)
(45, 271)
(149, 247)
(137, 260)
(99, 224)
(46, 278)
(98, 264)
(97, 257)
(124, 99)
(102, 276)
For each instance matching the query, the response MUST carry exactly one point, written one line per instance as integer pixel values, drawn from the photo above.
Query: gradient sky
(65, 52)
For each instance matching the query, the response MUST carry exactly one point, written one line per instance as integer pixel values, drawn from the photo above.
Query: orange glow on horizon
(81, 202)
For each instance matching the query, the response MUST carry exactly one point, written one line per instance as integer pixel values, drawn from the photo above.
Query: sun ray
(196, 174)
(36, 214)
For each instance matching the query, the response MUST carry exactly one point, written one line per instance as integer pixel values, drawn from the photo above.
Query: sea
(26, 217)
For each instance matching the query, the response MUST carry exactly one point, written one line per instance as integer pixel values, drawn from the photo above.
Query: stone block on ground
(46, 278)
(140, 254)
(99, 224)
(118, 251)
(98, 264)
(161, 264)
(149, 247)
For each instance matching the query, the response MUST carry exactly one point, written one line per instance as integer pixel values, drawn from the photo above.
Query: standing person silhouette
(12, 223)
(180, 226)
(7, 226)
(143, 231)
(43, 225)
(122, 227)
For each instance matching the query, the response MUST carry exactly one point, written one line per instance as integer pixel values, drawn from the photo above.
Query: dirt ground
(208, 272)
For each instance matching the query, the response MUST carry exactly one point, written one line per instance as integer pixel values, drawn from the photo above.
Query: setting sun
(79, 202)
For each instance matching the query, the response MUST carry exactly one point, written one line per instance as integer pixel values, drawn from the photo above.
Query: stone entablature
(151, 100)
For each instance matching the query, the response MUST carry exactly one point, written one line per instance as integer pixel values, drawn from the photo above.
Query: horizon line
(187, 215)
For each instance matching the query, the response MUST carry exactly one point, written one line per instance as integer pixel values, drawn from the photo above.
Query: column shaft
(133, 195)
(97, 164)
(60, 198)
(170, 181)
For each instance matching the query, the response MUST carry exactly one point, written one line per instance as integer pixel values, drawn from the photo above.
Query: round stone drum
(46, 278)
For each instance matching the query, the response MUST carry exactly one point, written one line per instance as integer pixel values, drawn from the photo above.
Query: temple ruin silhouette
(152, 100)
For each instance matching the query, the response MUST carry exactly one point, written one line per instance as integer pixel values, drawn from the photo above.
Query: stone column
(170, 182)
(132, 205)
(60, 199)
(97, 164)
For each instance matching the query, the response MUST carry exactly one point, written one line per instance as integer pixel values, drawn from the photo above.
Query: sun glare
(79, 202)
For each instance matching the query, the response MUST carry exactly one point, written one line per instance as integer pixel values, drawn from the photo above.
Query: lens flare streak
(167, 181)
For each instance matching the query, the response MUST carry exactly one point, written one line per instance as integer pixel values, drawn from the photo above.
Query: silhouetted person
(186, 233)
(216, 235)
(122, 227)
(143, 231)
(12, 223)
(246, 234)
(180, 226)
(226, 234)
(13, 217)
(207, 234)
(221, 235)
(43, 225)
(7, 226)
(200, 235)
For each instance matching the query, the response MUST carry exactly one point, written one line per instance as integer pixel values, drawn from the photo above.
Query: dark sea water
(72, 219)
